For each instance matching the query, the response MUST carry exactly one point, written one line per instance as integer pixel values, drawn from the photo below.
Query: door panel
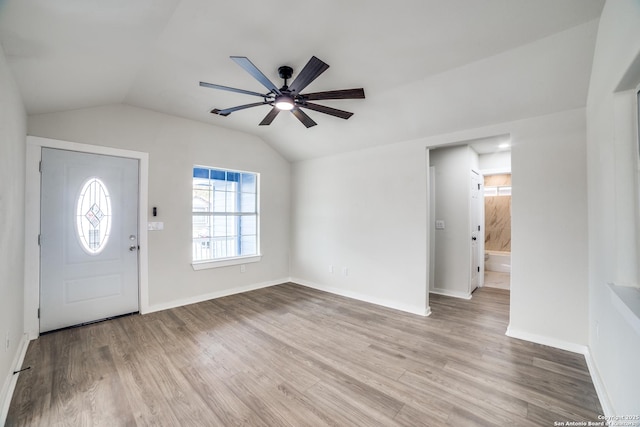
(476, 199)
(89, 229)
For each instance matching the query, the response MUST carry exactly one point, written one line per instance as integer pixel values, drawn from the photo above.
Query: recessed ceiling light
(504, 145)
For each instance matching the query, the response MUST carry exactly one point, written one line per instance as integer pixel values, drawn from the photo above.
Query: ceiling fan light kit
(284, 102)
(289, 98)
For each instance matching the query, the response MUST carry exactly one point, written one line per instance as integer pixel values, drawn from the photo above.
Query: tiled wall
(497, 216)
(497, 180)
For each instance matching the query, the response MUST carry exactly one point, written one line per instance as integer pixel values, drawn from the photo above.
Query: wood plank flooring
(292, 356)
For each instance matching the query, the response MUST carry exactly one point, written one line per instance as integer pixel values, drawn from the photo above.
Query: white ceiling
(427, 66)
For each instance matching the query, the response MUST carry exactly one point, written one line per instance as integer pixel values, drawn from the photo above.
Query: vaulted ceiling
(427, 66)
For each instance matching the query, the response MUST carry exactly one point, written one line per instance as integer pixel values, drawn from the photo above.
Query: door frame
(32, 222)
(480, 235)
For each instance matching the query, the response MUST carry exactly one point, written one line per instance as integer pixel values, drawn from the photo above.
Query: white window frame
(497, 191)
(197, 213)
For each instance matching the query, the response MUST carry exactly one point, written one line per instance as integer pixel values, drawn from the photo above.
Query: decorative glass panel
(93, 216)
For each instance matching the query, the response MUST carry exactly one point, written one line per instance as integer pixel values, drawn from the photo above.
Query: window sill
(203, 265)
(627, 301)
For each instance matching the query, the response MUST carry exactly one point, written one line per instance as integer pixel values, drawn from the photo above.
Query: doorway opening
(497, 236)
(468, 223)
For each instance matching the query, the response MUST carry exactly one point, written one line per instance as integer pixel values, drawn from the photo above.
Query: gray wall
(613, 198)
(363, 211)
(549, 232)
(12, 181)
(452, 262)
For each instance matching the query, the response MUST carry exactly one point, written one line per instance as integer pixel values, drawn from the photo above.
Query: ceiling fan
(289, 98)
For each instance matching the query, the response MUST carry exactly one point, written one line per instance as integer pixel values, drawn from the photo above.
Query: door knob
(474, 238)
(133, 248)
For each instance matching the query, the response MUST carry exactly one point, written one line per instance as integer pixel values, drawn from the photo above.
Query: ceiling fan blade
(228, 111)
(309, 73)
(302, 116)
(257, 74)
(231, 89)
(328, 110)
(270, 116)
(335, 94)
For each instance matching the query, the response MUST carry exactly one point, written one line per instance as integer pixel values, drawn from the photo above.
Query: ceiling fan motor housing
(285, 72)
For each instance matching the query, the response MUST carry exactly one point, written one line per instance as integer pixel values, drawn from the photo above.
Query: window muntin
(93, 216)
(497, 191)
(225, 214)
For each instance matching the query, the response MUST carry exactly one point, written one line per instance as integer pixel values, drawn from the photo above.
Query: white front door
(89, 238)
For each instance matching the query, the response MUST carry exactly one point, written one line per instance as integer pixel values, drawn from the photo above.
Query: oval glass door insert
(93, 216)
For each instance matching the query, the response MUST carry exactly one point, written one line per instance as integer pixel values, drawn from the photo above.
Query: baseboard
(9, 385)
(598, 384)
(366, 298)
(450, 293)
(213, 295)
(596, 379)
(551, 342)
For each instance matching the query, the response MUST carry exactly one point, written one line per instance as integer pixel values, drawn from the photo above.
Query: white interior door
(475, 214)
(89, 238)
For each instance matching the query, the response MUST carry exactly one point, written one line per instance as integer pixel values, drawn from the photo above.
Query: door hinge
(478, 269)
(478, 186)
(40, 166)
(478, 228)
(39, 239)
(38, 312)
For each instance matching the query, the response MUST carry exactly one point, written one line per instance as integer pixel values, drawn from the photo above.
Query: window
(225, 216)
(93, 216)
(497, 191)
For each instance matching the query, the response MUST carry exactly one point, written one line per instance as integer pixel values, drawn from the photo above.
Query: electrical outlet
(330, 268)
(243, 268)
(345, 271)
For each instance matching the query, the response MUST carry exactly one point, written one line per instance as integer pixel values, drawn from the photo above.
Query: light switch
(439, 224)
(154, 226)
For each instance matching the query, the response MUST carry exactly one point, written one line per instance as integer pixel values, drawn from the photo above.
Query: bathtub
(497, 261)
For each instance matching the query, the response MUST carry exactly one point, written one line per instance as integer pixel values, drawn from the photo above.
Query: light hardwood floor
(293, 356)
(496, 279)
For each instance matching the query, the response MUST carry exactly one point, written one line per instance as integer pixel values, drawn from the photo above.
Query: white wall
(13, 122)
(175, 145)
(613, 220)
(364, 211)
(546, 76)
(341, 216)
(452, 204)
(498, 161)
(548, 232)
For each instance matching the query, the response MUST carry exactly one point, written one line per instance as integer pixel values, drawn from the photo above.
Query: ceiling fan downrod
(285, 72)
